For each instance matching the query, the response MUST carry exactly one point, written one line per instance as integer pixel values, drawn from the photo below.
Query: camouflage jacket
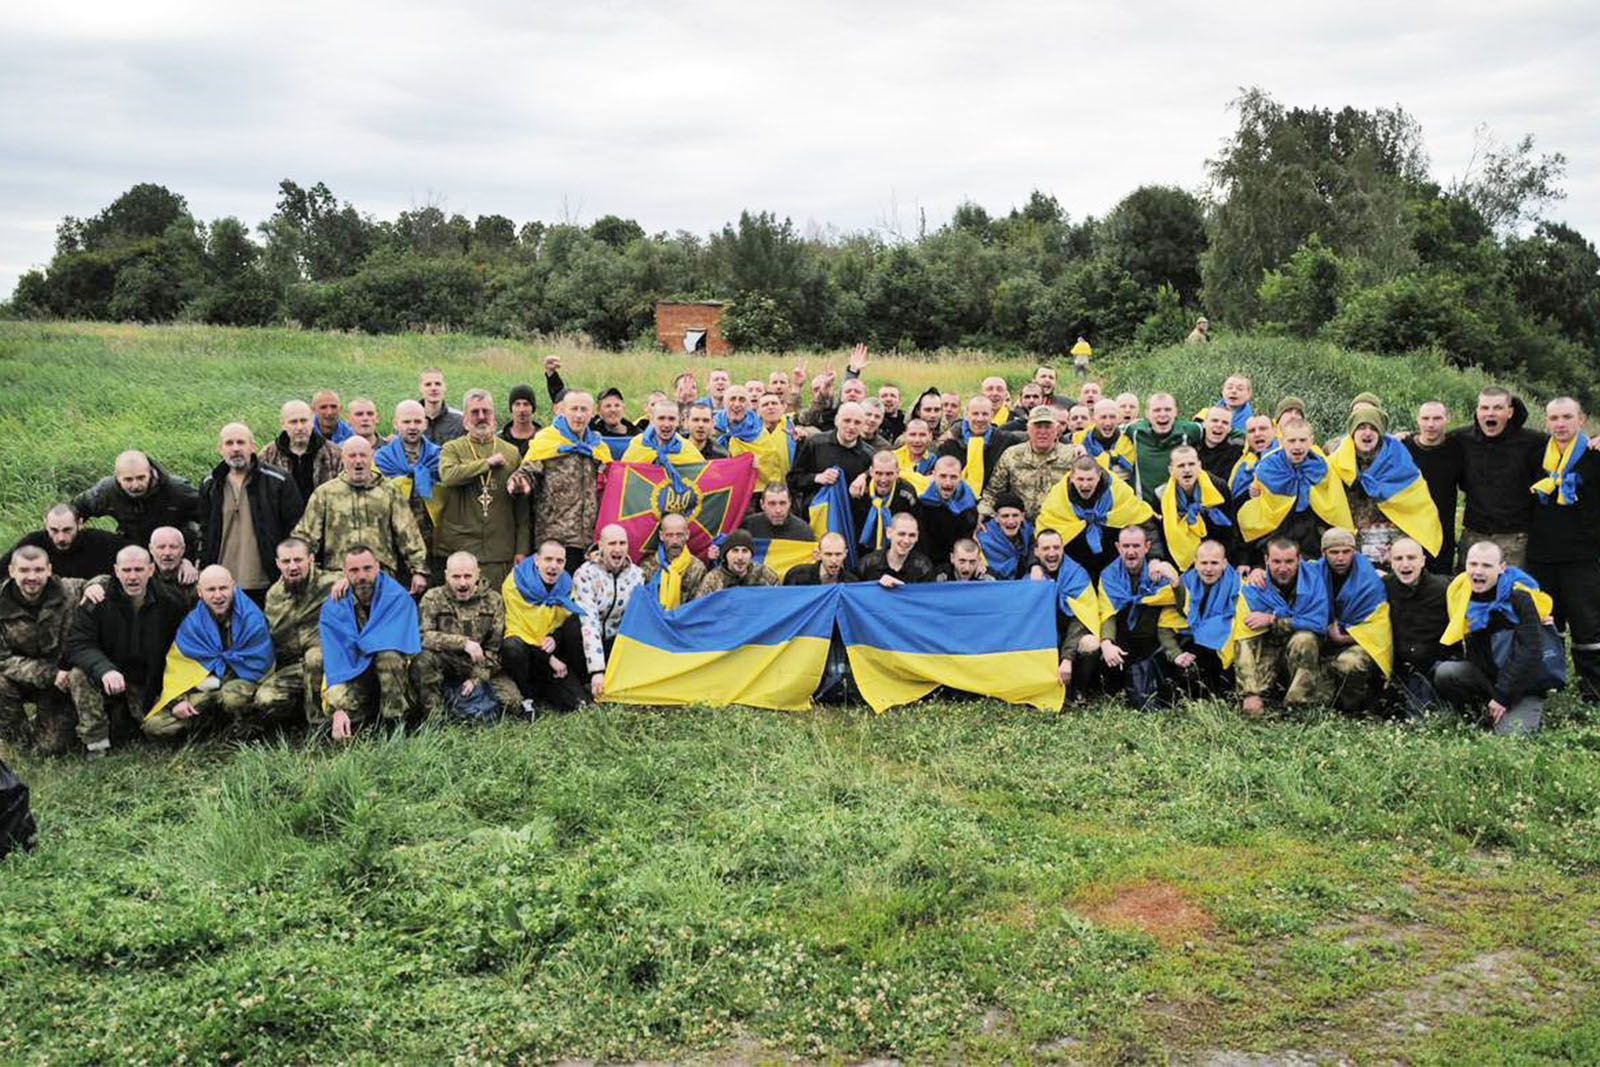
(325, 465)
(1026, 473)
(33, 637)
(693, 575)
(292, 615)
(568, 504)
(448, 624)
(339, 515)
(719, 578)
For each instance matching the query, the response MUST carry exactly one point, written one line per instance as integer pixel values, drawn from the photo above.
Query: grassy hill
(950, 882)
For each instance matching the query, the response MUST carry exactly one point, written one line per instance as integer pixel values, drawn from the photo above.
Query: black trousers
(1575, 588)
(529, 667)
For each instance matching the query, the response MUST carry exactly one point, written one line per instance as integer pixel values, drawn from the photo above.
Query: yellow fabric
(529, 622)
(1086, 608)
(908, 470)
(1123, 449)
(546, 444)
(1081, 348)
(972, 473)
(1376, 637)
(1056, 513)
(403, 486)
(671, 591)
(780, 677)
(771, 449)
(639, 452)
(1165, 598)
(888, 679)
(1412, 508)
(181, 675)
(1556, 461)
(1241, 631)
(1264, 513)
(1002, 414)
(1459, 596)
(1183, 538)
(784, 555)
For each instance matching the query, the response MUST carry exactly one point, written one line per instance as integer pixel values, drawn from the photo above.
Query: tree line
(1313, 223)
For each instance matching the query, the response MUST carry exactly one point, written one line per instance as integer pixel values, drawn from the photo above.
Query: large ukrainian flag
(763, 647)
(782, 555)
(1394, 483)
(997, 639)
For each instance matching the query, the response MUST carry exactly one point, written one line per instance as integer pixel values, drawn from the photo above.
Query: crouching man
(367, 635)
(222, 649)
(459, 665)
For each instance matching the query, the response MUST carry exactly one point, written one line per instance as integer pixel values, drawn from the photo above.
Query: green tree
(755, 321)
(1299, 299)
(1157, 234)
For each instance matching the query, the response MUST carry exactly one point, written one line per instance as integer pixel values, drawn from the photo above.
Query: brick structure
(691, 328)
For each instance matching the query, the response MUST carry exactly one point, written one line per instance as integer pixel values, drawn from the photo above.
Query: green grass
(937, 884)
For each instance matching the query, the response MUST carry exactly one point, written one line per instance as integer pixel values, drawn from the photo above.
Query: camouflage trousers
(228, 703)
(1260, 662)
(1513, 546)
(432, 671)
(1355, 678)
(292, 691)
(384, 689)
(54, 717)
(102, 717)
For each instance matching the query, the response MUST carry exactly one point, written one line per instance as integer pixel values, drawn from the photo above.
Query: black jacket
(875, 565)
(1568, 533)
(111, 636)
(171, 501)
(1440, 465)
(93, 553)
(1497, 471)
(1417, 617)
(942, 528)
(794, 528)
(902, 499)
(1218, 460)
(816, 454)
(275, 506)
(811, 574)
(1512, 680)
(998, 442)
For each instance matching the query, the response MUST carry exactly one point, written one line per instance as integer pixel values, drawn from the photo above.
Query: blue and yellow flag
(1561, 480)
(1244, 472)
(392, 626)
(1239, 417)
(830, 512)
(1361, 608)
(1117, 457)
(534, 610)
(648, 448)
(1393, 482)
(973, 469)
(917, 472)
(197, 650)
(559, 439)
(781, 554)
(1209, 619)
(1310, 611)
(762, 647)
(746, 429)
(1116, 507)
(1077, 596)
(1184, 514)
(1002, 557)
(405, 476)
(1287, 489)
(1466, 615)
(1118, 590)
(774, 452)
(991, 638)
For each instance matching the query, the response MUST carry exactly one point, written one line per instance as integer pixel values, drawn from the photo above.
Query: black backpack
(17, 828)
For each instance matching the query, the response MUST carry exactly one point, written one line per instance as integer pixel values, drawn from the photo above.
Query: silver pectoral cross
(486, 498)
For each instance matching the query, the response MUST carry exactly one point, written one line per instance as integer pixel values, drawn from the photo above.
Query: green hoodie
(1152, 450)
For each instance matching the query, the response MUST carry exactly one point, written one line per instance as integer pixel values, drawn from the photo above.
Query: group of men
(340, 575)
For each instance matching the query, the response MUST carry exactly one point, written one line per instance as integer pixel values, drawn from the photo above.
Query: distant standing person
(1201, 334)
(1080, 358)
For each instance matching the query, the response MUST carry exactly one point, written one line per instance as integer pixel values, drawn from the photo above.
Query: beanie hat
(1367, 414)
(1288, 403)
(737, 539)
(1366, 398)
(1009, 500)
(523, 392)
(1337, 535)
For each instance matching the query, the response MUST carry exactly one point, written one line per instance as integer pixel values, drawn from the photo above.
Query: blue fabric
(833, 502)
(250, 653)
(617, 445)
(1093, 447)
(1390, 471)
(583, 444)
(341, 432)
(392, 626)
(1190, 508)
(1094, 517)
(876, 526)
(1572, 481)
(1071, 581)
(664, 453)
(771, 615)
(930, 618)
(530, 585)
(1311, 610)
(1003, 557)
(1212, 629)
(1361, 593)
(963, 500)
(1481, 612)
(964, 434)
(1240, 415)
(1123, 592)
(391, 462)
(1279, 476)
(746, 429)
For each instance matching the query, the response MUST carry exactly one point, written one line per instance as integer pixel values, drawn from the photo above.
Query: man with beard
(681, 573)
(444, 421)
(74, 550)
(1032, 468)
(360, 508)
(603, 587)
(1500, 458)
(117, 647)
(293, 689)
(140, 496)
(36, 610)
(1438, 455)
(220, 652)
(247, 509)
(300, 451)
(480, 516)
(463, 624)
(367, 635)
(894, 420)
(736, 568)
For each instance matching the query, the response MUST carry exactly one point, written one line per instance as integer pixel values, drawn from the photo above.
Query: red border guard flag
(713, 496)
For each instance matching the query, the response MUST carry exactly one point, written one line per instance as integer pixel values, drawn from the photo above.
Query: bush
(1300, 299)
(755, 321)
(400, 295)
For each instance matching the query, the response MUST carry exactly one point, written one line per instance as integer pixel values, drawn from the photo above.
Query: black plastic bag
(17, 828)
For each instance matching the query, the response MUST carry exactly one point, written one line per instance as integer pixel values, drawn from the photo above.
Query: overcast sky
(849, 115)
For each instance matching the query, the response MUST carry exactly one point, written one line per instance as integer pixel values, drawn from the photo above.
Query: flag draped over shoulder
(197, 650)
(647, 447)
(1210, 619)
(746, 429)
(773, 451)
(1118, 590)
(392, 626)
(972, 471)
(1185, 513)
(762, 647)
(1116, 457)
(559, 439)
(1310, 611)
(535, 610)
(1393, 482)
(1001, 557)
(990, 638)
(781, 555)
(917, 472)
(830, 512)
(1467, 615)
(1361, 607)
(1244, 472)
(1116, 507)
(1560, 480)
(1076, 595)
(1287, 488)
(423, 475)
(712, 496)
